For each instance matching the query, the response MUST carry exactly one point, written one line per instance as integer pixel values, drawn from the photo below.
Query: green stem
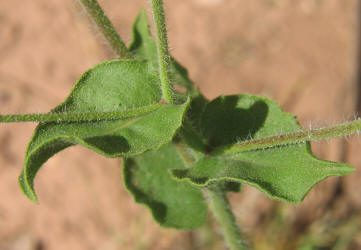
(162, 49)
(106, 28)
(223, 213)
(79, 117)
(294, 138)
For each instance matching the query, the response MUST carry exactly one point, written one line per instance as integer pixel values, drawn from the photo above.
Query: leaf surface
(173, 204)
(144, 46)
(286, 173)
(110, 86)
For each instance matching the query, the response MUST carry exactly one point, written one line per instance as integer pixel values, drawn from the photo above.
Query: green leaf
(286, 172)
(191, 134)
(144, 46)
(109, 86)
(173, 204)
(230, 186)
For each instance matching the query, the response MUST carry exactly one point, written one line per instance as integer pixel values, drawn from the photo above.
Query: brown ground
(302, 53)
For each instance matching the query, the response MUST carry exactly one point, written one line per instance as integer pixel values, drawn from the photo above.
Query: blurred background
(303, 53)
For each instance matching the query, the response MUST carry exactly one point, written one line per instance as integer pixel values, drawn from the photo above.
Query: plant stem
(223, 213)
(106, 28)
(294, 138)
(78, 117)
(162, 49)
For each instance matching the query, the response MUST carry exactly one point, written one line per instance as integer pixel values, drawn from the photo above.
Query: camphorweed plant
(177, 147)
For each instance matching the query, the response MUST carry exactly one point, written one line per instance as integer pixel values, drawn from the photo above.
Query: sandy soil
(302, 53)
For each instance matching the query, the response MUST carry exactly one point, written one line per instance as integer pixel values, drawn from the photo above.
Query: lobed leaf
(286, 172)
(109, 86)
(172, 203)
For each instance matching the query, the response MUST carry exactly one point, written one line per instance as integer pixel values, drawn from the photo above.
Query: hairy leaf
(191, 134)
(173, 204)
(286, 173)
(144, 46)
(110, 86)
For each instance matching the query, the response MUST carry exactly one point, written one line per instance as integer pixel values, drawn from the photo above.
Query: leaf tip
(27, 188)
(342, 169)
(348, 169)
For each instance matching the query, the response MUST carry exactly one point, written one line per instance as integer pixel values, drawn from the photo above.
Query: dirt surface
(302, 53)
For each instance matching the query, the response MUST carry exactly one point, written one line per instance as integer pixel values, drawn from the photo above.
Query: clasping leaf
(285, 172)
(110, 86)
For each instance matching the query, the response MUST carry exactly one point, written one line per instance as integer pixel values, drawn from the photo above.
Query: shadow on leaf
(111, 144)
(158, 209)
(229, 119)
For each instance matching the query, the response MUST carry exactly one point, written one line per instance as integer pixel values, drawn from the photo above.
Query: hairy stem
(223, 213)
(162, 49)
(106, 28)
(79, 117)
(294, 138)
